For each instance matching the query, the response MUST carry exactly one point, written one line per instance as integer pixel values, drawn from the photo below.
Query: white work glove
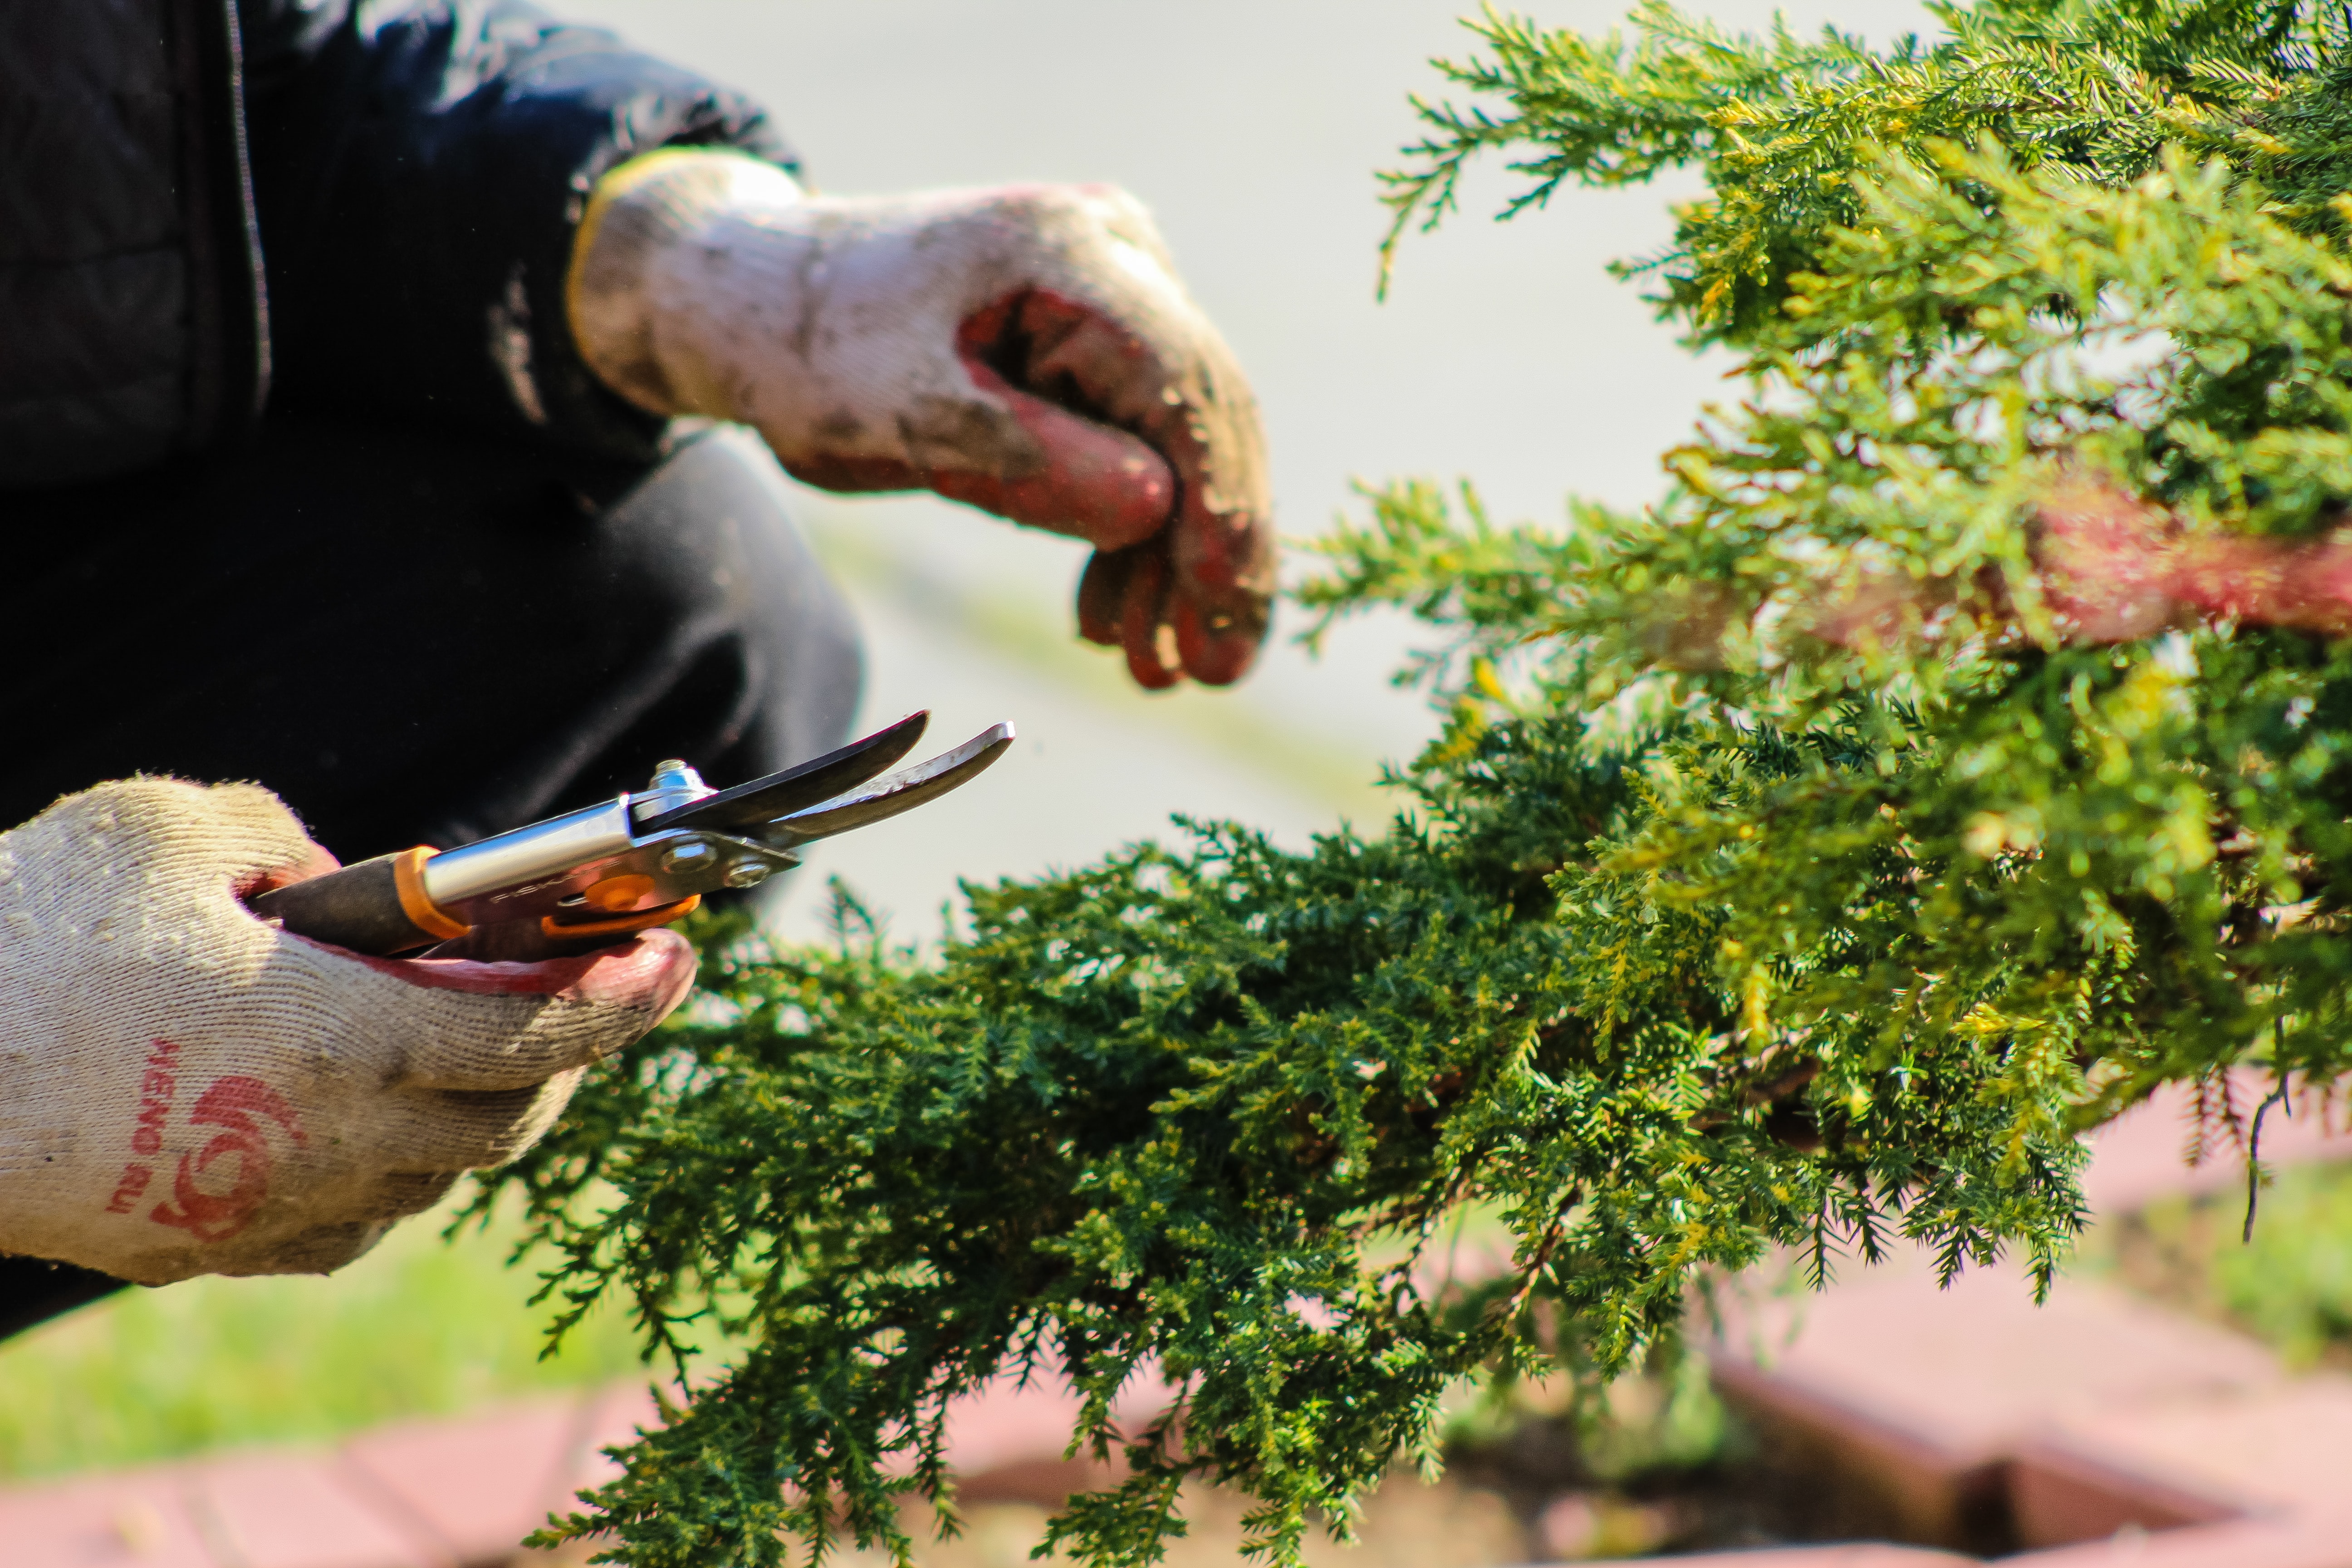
(185, 1090)
(1027, 349)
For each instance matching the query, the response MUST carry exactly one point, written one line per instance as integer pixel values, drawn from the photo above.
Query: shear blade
(755, 804)
(889, 795)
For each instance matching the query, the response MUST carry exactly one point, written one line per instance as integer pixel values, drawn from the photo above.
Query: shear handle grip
(360, 907)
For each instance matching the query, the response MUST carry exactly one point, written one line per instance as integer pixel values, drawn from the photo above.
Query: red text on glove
(231, 1103)
(155, 1089)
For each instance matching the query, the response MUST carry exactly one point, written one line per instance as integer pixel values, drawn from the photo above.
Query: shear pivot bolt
(688, 856)
(746, 874)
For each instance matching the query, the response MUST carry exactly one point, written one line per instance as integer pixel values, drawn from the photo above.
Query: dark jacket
(209, 207)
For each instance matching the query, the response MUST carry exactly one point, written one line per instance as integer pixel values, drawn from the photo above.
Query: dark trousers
(414, 636)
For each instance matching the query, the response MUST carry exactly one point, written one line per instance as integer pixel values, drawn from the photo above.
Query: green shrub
(1805, 861)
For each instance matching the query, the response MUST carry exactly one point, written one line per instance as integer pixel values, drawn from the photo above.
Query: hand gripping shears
(642, 860)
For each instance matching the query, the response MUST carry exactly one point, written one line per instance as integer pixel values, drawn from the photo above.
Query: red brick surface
(443, 1494)
(2141, 1154)
(2142, 1438)
(2058, 1494)
(610, 1418)
(1925, 1395)
(126, 1519)
(1005, 1441)
(1862, 1554)
(2253, 1543)
(478, 1485)
(2108, 1431)
(2287, 1449)
(1969, 1368)
(270, 1510)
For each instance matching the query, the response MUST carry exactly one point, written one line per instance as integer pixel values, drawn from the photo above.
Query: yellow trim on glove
(617, 183)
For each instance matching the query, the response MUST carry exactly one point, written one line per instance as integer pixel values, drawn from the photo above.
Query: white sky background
(1505, 353)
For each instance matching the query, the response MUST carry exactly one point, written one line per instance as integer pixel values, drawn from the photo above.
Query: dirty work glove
(185, 1089)
(1028, 350)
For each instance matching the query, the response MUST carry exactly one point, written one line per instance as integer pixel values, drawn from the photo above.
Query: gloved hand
(185, 1089)
(1028, 350)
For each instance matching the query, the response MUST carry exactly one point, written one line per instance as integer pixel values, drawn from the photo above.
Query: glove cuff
(623, 302)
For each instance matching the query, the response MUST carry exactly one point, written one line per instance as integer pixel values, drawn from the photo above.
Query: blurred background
(1503, 355)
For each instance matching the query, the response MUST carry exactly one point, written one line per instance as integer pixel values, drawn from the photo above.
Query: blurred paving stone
(2141, 1155)
(2281, 1451)
(1862, 1554)
(2060, 1493)
(610, 1418)
(2300, 1543)
(1005, 1443)
(290, 1510)
(1920, 1395)
(477, 1484)
(123, 1519)
(1006, 1421)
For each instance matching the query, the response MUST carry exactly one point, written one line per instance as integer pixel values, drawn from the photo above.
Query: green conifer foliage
(1806, 860)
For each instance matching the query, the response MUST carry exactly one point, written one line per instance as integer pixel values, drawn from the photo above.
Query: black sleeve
(419, 170)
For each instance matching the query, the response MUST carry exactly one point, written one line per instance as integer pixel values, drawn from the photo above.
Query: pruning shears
(642, 860)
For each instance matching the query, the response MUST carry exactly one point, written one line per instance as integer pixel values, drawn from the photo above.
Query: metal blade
(902, 791)
(748, 808)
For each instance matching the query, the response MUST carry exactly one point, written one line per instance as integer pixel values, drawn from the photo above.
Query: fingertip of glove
(1148, 672)
(1144, 630)
(1102, 594)
(1222, 661)
(652, 972)
(1218, 655)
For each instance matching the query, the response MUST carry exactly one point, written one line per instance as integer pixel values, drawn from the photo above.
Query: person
(373, 382)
